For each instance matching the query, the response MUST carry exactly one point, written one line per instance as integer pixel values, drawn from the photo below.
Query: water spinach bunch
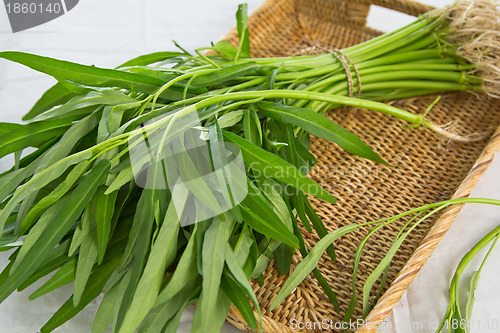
(117, 195)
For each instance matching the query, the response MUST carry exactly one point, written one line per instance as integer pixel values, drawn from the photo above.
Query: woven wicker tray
(425, 169)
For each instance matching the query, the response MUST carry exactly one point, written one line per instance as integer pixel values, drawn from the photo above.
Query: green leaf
(375, 274)
(320, 126)
(56, 95)
(151, 58)
(172, 326)
(357, 257)
(54, 232)
(244, 244)
(240, 279)
(112, 118)
(185, 273)
(30, 159)
(283, 257)
(59, 151)
(8, 244)
(10, 181)
(54, 196)
(271, 165)
(105, 312)
(38, 181)
(214, 247)
(251, 127)
(310, 262)
(226, 49)
(159, 316)
(317, 223)
(471, 299)
(227, 175)
(37, 231)
(7, 127)
(189, 172)
(57, 257)
(218, 318)
(32, 135)
(144, 213)
(267, 247)
(268, 188)
(240, 300)
(88, 254)
(260, 206)
(92, 98)
(125, 176)
(242, 27)
(230, 119)
(94, 287)
(82, 74)
(65, 275)
(140, 237)
(163, 252)
(104, 216)
(225, 74)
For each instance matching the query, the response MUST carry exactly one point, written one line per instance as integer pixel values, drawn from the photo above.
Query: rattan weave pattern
(425, 167)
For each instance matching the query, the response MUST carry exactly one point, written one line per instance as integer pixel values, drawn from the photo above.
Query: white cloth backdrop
(107, 33)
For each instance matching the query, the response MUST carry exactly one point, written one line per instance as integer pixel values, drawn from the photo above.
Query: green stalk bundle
(83, 205)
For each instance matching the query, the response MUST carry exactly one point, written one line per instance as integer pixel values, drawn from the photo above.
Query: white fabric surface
(107, 33)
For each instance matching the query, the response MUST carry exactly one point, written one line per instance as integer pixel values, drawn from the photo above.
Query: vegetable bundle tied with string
(175, 178)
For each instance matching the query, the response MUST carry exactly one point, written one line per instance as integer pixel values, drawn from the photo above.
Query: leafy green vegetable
(81, 205)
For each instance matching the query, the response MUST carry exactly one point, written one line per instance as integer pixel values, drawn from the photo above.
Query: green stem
(458, 201)
(453, 294)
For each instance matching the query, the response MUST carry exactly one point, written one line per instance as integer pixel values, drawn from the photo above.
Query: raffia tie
(344, 60)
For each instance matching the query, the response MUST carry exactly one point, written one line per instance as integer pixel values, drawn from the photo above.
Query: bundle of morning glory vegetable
(174, 178)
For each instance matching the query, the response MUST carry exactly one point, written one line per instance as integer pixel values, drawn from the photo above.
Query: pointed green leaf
(31, 135)
(225, 74)
(271, 165)
(320, 126)
(159, 316)
(252, 127)
(54, 196)
(308, 263)
(125, 176)
(185, 273)
(104, 215)
(93, 98)
(38, 181)
(57, 257)
(283, 257)
(82, 74)
(54, 232)
(162, 254)
(37, 231)
(56, 95)
(93, 289)
(261, 206)
(151, 58)
(238, 277)
(87, 256)
(105, 312)
(240, 300)
(214, 247)
(65, 275)
(7, 127)
(226, 49)
(230, 119)
(242, 27)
